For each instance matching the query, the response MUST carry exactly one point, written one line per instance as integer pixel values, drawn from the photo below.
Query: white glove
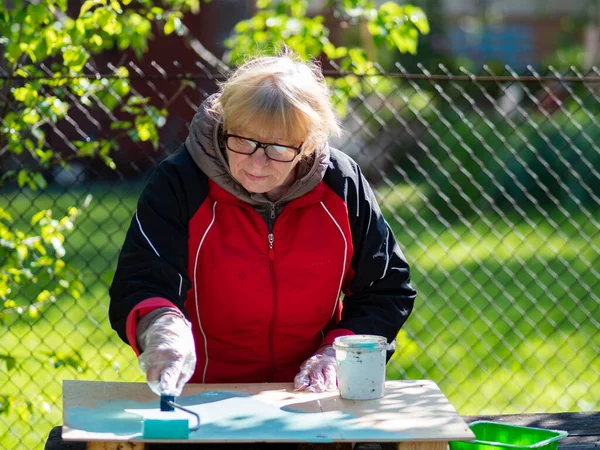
(168, 352)
(319, 372)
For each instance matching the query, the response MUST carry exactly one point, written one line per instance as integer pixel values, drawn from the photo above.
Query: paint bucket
(360, 366)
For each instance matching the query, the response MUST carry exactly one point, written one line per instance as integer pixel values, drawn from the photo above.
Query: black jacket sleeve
(379, 298)
(153, 259)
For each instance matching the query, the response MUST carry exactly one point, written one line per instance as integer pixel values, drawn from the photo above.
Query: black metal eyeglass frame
(262, 145)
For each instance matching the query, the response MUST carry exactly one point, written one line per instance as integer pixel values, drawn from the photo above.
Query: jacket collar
(205, 143)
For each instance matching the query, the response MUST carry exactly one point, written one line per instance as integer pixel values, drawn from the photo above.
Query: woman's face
(256, 172)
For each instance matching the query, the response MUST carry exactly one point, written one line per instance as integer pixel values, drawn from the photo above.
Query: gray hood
(205, 143)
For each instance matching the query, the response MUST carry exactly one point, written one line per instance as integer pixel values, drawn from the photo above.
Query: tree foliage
(47, 55)
(286, 23)
(390, 26)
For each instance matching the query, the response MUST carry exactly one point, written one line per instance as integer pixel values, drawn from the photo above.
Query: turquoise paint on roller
(166, 428)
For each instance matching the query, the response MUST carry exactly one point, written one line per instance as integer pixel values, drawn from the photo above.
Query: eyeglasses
(276, 152)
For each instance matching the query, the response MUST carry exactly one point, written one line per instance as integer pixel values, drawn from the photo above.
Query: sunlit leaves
(32, 33)
(284, 22)
(6, 404)
(23, 407)
(148, 120)
(174, 24)
(398, 26)
(37, 37)
(73, 360)
(75, 57)
(25, 94)
(36, 258)
(89, 4)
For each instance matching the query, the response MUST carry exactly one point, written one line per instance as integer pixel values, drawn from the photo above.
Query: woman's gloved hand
(168, 353)
(319, 372)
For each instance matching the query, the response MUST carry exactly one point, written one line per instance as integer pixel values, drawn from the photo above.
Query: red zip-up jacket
(260, 300)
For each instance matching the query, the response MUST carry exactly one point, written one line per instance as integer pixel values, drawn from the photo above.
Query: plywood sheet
(265, 412)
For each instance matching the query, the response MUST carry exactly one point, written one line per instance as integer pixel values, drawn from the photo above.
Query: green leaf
(59, 265)
(23, 94)
(6, 404)
(359, 59)
(11, 363)
(87, 149)
(329, 49)
(38, 14)
(62, 4)
(96, 39)
(174, 24)
(340, 52)
(73, 360)
(89, 4)
(404, 43)
(120, 87)
(22, 251)
(43, 296)
(194, 6)
(116, 6)
(38, 216)
(39, 180)
(30, 116)
(120, 125)
(75, 57)
(44, 156)
(37, 245)
(5, 215)
(417, 16)
(10, 304)
(391, 8)
(109, 161)
(145, 128)
(22, 178)
(33, 312)
(107, 20)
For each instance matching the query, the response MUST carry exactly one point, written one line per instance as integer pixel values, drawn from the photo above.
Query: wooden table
(412, 415)
(583, 429)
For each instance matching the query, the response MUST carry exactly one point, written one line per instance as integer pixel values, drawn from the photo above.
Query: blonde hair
(278, 93)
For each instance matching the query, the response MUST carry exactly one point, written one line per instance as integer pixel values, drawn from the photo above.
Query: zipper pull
(272, 210)
(271, 240)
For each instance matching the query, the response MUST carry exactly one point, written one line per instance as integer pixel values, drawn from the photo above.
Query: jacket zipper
(271, 238)
(271, 220)
(272, 327)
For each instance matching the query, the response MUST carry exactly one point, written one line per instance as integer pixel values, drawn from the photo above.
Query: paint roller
(167, 426)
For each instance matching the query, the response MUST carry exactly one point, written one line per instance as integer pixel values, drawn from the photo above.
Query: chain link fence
(490, 182)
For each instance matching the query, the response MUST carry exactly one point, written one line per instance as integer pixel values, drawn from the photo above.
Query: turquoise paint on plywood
(226, 415)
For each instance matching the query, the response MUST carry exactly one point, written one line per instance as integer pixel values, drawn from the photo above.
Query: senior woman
(244, 239)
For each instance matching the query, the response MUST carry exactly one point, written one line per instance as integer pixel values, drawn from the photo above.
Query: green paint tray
(494, 435)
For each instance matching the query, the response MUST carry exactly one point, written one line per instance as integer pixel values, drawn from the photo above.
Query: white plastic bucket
(360, 366)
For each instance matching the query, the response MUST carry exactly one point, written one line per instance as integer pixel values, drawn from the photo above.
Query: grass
(503, 322)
